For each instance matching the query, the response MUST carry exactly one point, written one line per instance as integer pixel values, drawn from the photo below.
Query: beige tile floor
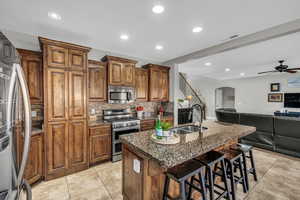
(279, 179)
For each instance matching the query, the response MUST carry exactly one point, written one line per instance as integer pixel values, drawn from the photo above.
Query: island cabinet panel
(78, 145)
(158, 82)
(65, 98)
(57, 56)
(141, 84)
(100, 143)
(147, 124)
(121, 71)
(57, 94)
(97, 84)
(77, 95)
(34, 167)
(57, 147)
(32, 65)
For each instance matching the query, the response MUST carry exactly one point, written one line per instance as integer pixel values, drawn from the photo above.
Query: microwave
(121, 94)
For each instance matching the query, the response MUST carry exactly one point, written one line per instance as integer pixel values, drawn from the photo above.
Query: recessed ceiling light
(159, 47)
(208, 64)
(197, 29)
(227, 70)
(124, 37)
(54, 15)
(242, 74)
(158, 9)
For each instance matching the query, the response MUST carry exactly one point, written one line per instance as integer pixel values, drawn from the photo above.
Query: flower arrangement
(139, 108)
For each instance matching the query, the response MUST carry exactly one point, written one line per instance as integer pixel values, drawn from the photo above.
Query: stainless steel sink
(185, 129)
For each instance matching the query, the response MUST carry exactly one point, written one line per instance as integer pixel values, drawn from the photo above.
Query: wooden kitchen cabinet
(78, 145)
(31, 62)
(141, 84)
(147, 124)
(100, 143)
(121, 71)
(97, 82)
(66, 138)
(158, 82)
(34, 167)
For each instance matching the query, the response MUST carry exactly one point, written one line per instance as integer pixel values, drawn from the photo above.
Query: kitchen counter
(145, 162)
(35, 131)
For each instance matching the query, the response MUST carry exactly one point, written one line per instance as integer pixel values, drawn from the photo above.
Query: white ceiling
(99, 23)
(250, 60)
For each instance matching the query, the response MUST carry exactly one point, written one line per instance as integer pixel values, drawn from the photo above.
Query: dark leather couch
(280, 134)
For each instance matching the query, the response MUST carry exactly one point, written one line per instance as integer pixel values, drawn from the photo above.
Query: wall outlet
(93, 111)
(137, 166)
(33, 114)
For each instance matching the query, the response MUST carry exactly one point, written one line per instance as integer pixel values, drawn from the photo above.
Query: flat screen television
(292, 100)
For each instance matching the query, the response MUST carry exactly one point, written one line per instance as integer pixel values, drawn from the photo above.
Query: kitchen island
(144, 162)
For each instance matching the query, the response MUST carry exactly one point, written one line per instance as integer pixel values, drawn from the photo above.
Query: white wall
(251, 94)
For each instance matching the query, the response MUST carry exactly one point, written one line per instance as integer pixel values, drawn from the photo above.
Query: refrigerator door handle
(27, 115)
(12, 85)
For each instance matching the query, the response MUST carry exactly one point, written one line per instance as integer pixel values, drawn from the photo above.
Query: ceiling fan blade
(267, 72)
(291, 71)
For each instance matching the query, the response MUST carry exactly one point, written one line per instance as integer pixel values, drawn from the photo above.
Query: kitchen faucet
(199, 107)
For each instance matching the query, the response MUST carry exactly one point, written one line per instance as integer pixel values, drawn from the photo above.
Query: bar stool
(210, 160)
(233, 161)
(246, 149)
(181, 174)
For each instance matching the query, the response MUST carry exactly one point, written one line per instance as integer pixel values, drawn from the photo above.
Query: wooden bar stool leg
(242, 175)
(245, 170)
(225, 179)
(166, 188)
(253, 165)
(232, 184)
(182, 190)
(211, 184)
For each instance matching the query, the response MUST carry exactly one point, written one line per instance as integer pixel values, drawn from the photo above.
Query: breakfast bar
(144, 161)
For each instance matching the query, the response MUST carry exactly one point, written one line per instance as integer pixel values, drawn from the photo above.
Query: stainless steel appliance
(121, 94)
(14, 105)
(123, 122)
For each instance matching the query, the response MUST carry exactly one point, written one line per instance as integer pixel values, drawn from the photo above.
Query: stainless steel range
(123, 122)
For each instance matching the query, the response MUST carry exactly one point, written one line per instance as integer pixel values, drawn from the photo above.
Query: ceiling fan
(282, 68)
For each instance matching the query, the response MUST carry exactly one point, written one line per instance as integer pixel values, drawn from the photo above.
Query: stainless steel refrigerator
(14, 106)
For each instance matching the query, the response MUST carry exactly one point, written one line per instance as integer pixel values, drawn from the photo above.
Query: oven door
(116, 143)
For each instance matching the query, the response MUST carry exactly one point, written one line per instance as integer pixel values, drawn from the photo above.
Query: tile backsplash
(96, 108)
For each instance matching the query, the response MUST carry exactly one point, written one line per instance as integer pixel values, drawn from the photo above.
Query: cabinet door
(100, 148)
(77, 95)
(57, 94)
(34, 167)
(78, 145)
(155, 85)
(97, 82)
(115, 73)
(57, 56)
(164, 85)
(32, 66)
(57, 148)
(128, 74)
(77, 60)
(141, 84)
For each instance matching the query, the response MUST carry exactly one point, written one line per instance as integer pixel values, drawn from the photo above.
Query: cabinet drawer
(100, 130)
(147, 124)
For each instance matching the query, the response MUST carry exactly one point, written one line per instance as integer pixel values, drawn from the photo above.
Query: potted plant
(139, 111)
(166, 126)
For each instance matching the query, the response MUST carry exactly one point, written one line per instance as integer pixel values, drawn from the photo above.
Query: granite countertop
(167, 156)
(98, 122)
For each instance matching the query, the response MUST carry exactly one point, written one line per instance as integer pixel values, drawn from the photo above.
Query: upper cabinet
(32, 65)
(64, 55)
(97, 83)
(141, 84)
(121, 71)
(158, 82)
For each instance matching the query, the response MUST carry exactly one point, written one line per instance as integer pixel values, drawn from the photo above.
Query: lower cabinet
(34, 168)
(100, 143)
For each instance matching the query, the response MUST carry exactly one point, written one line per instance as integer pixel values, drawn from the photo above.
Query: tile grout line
(259, 182)
(104, 185)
